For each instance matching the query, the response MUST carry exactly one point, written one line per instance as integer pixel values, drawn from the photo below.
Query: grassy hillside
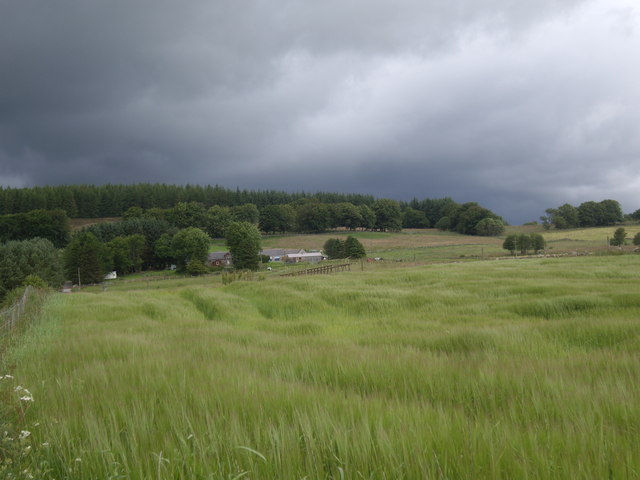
(502, 369)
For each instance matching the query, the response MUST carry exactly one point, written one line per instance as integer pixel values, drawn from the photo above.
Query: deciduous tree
(412, 218)
(489, 227)
(244, 242)
(277, 218)
(245, 213)
(190, 244)
(313, 217)
(388, 215)
(19, 259)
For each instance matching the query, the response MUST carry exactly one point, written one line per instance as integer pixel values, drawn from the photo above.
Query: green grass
(585, 238)
(500, 369)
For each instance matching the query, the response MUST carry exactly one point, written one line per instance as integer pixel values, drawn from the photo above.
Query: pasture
(498, 369)
(431, 245)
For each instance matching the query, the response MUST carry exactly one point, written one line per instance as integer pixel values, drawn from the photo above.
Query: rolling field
(431, 245)
(419, 245)
(499, 369)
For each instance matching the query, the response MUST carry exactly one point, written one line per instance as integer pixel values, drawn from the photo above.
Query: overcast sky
(517, 105)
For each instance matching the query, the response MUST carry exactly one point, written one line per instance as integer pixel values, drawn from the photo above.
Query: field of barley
(498, 369)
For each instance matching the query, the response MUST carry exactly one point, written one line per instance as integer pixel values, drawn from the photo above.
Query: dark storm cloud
(518, 105)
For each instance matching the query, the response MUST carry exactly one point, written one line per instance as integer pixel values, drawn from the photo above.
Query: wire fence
(13, 316)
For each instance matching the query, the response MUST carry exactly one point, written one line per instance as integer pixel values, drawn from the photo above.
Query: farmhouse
(219, 259)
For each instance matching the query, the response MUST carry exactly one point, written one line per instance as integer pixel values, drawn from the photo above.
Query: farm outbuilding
(278, 254)
(313, 257)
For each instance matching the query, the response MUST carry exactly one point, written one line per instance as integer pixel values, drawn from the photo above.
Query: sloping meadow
(500, 369)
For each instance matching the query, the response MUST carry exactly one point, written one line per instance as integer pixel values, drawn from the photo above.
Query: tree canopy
(190, 244)
(21, 258)
(388, 215)
(50, 224)
(336, 248)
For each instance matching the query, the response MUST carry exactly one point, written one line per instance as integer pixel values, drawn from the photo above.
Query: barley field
(498, 369)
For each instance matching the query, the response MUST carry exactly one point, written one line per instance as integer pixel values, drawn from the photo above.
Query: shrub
(196, 267)
(619, 237)
(34, 281)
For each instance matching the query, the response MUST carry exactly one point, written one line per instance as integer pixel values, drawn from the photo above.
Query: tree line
(94, 201)
(587, 214)
(52, 225)
(311, 212)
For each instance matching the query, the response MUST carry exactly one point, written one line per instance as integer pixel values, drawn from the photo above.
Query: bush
(196, 267)
(34, 281)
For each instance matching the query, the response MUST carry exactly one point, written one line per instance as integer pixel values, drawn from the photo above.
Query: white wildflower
(45, 444)
(78, 459)
(25, 395)
(24, 434)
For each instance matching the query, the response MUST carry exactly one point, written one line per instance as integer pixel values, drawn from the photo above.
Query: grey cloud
(517, 105)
